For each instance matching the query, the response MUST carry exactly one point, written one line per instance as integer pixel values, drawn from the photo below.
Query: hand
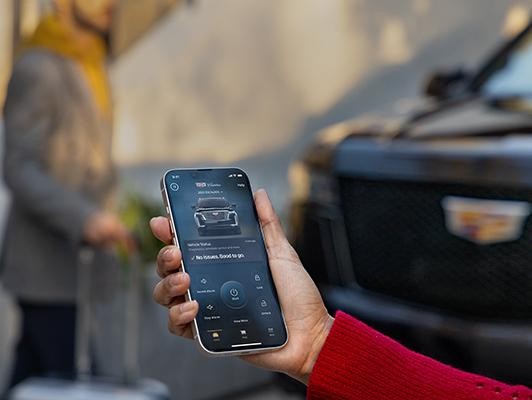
(104, 229)
(306, 317)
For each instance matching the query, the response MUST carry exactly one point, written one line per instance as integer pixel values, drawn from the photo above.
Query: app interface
(224, 254)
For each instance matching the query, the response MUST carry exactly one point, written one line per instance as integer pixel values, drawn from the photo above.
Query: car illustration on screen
(215, 216)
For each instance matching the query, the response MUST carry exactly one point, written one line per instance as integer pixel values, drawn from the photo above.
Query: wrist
(320, 338)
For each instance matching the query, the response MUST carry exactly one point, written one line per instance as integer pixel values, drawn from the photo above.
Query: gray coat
(53, 138)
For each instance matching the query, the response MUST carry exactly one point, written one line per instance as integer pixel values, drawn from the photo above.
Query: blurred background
(249, 83)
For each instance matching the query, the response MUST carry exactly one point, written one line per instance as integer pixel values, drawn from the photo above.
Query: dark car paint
(454, 122)
(469, 137)
(487, 117)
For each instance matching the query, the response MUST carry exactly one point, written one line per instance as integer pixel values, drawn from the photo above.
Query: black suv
(420, 225)
(215, 216)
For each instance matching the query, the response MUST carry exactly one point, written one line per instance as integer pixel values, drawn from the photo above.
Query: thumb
(271, 225)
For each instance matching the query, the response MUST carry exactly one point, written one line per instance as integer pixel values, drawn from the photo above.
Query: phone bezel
(175, 238)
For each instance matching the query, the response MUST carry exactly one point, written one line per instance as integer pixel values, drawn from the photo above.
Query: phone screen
(217, 229)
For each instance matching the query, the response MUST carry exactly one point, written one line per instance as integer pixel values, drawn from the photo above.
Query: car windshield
(512, 75)
(215, 202)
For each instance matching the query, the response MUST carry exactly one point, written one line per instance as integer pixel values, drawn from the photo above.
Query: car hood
(321, 151)
(457, 120)
(468, 118)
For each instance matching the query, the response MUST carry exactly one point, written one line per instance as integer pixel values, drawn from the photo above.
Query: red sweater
(360, 363)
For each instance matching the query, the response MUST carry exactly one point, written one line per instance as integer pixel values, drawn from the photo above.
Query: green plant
(136, 212)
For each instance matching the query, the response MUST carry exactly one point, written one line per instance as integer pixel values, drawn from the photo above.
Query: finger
(168, 260)
(173, 286)
(271, 225)
(180, 316)
(160, 226)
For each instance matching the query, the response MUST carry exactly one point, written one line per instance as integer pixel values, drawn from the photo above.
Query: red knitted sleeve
(360, 363)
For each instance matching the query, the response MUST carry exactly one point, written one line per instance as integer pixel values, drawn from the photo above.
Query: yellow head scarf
(51, 34)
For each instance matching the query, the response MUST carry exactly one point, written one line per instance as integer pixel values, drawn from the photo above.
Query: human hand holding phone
(306, 317)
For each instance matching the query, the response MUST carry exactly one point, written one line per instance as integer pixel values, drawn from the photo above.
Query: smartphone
(215, 224)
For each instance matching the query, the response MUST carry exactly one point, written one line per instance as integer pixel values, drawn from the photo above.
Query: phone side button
(174, 237)
(174, 241)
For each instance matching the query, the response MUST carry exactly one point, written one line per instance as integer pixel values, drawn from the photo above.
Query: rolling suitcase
(86, 386)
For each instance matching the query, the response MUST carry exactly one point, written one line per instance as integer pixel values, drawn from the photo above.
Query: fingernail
(176, 279)
(187, 306)
(168, 254)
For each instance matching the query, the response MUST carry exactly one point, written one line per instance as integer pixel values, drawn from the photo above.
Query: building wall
(134, 18)
(227, 80)
(6, 39)
(18, 18)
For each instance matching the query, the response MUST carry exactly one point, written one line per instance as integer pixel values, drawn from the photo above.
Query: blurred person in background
(58, 167)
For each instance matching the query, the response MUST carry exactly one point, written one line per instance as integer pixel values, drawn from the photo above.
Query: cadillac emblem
(485, 221)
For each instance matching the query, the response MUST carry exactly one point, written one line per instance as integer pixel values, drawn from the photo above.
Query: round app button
(232, 294)
(174, 186)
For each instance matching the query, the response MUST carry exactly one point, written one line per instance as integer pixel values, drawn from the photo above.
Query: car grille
(216, 215)
(401, 247)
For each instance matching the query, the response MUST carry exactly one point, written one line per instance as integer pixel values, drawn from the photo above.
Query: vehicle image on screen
(215, 216)
(420, 224)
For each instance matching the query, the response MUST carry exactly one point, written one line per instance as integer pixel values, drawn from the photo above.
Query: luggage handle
(83, 355)
(131, 373)
(83, 358)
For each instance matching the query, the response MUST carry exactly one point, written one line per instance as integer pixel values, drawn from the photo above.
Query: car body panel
(373, 186)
